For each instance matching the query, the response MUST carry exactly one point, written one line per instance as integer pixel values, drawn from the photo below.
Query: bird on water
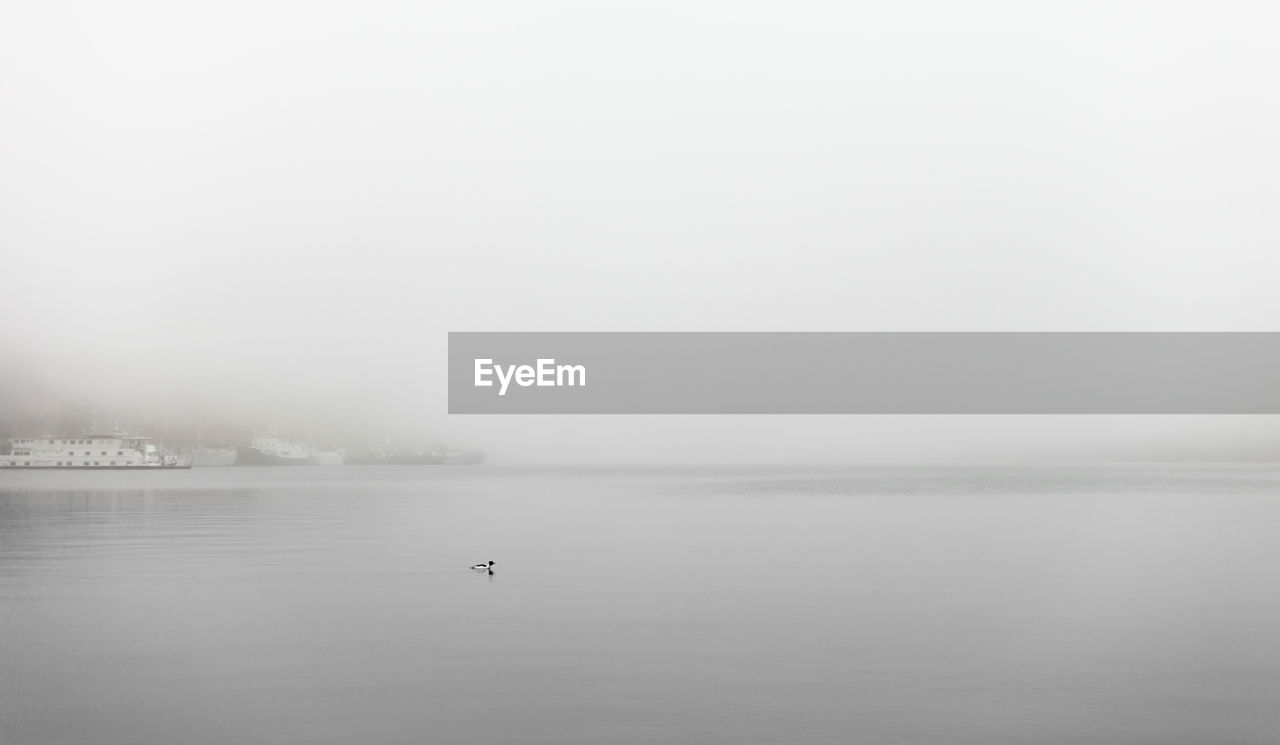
(483, 567)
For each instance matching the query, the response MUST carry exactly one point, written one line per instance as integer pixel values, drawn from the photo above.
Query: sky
(281, 208)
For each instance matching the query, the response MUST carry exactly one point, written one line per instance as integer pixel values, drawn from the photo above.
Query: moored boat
(202, 456)
(270, 450)
(93, 451)
(431, 457)
(328, 457)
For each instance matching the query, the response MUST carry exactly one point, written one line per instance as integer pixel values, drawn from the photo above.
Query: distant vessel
(270, 450)
(210, 456)
(213, 457)
(418, 458)
(328, 457)
(462, 457)
(273, 450)
(116, 450)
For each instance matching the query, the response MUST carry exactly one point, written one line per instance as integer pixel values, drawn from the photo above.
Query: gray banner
(864, 373)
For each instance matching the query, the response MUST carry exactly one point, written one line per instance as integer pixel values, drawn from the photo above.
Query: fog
(270, 214)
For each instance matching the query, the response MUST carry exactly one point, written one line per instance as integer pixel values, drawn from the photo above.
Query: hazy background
(273, 212)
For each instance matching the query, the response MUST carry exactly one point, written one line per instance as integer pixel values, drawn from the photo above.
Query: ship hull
(247, 456)
(181, 467)
(214, 457)
(452, 458)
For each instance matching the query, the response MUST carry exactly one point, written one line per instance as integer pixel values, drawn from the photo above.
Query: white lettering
(571, 375)
(544, 374)
(505, 380)
(483, 368)
(546, 368)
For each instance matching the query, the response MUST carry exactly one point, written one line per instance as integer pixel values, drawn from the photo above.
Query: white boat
(270, 450)
(213, 456)
(328, 457)
(116, 450)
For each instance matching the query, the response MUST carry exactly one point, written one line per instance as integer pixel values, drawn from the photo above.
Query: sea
(1068, 604)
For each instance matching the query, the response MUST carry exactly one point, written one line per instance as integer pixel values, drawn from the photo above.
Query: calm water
(333, 605)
